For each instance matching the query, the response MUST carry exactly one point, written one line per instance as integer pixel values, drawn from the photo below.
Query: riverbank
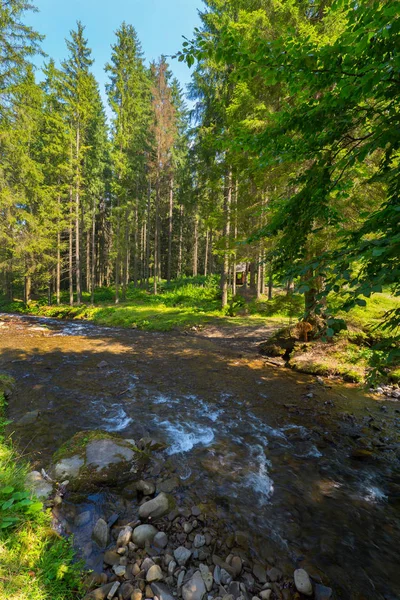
(35, 562)
(357, 354)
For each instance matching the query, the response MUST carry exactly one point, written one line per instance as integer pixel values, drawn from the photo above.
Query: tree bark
(170, 216)
(227, 209)
(77, 224)
(70, 264)
(196, 246)
(180, 249)
(206, 255)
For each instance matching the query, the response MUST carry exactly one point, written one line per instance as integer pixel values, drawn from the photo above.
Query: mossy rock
(92, 458)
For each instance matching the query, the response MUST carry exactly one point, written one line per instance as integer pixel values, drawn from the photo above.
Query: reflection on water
(270, 451)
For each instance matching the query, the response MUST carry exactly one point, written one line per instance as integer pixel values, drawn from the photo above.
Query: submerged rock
(90, 458)
(28, 419)
(100, 533)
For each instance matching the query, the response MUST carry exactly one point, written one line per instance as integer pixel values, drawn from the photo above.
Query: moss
(394, 375)
(77, 444)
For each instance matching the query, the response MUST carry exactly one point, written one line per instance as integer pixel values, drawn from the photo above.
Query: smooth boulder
(156, 507)
(143, 534)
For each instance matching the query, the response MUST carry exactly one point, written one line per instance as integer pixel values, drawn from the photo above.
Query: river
(311, 472)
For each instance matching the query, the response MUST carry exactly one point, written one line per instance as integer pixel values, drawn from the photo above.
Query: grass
(35, 563)
(185, 303)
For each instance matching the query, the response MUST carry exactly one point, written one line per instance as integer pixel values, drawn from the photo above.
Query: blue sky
(160, 25)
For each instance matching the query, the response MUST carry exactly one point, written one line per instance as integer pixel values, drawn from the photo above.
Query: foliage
(35, 563)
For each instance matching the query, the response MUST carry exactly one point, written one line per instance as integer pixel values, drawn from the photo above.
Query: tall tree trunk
(210, 254)
(180, 248)
(252, 276)
(156, 236)
(148, 237)
(170, 215)
(93, 263)
(118, 255)
(259, 271)
(125, 266)
(136, 240)
(270, 283)
(58, 266)
(77, 223)
(27, 289)
(196, 245)
(235, 238)
(70, 262)
(227, 223)
(206, 255)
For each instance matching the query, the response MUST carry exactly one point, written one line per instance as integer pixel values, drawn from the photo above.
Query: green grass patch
(35, 563)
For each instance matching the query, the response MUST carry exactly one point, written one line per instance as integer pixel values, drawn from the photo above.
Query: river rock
(156, 507)
(169, 485)
(236, 565)
(274, 574)
(160, 540)
(302, 582)
(265, 594)
(137, 594)
(101, 593)
(126, 590)
(260, 573)
(225, 577)
(161, 591)
(146, 487)
(69, 467)
(182, 555)
(111, 558)
(154, 574)
(100, 533)
(199, 541)
(124, 536)
(195, 588)
(207, 577)
(321, 592)
(143, 534)
(38, 486)
(91, 458)
(119, 570)
(28, 419)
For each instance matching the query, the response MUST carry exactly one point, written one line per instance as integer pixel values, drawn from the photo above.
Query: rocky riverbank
(169, 550)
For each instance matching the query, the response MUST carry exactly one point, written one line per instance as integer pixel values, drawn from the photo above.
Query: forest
(286, 167)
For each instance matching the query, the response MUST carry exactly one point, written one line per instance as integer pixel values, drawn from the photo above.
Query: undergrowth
(35, 562)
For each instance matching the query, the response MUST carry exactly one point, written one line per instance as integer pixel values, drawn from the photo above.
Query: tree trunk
(210, 254)
(125, 267)
(170, 215)
(180, 249)
(206, 255)
(270, 283)
(156, 237)
(77, 224)
(118, 255)
(58, 267)
(136, 245)
(196, 246)
(70, 264)
(148, 237)
(252, 276)
(92, 272)
(27, 289)
(227, 209)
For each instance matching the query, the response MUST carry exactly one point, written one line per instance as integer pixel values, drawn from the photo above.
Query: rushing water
(271, 451)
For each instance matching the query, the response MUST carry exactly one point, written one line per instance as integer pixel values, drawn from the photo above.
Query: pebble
(260, 573)
(199, 541)
(194, 589)
(113, 590)
(236, 564)
(182, 555)
(124, 536)
(160, 540)
(100, 533)
(119, 570)
(322, 592)
(302, 582)
(154, 574)
(171, 567)
(265, 594)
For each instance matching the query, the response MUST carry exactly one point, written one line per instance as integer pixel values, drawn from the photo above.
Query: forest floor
(193, 305)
